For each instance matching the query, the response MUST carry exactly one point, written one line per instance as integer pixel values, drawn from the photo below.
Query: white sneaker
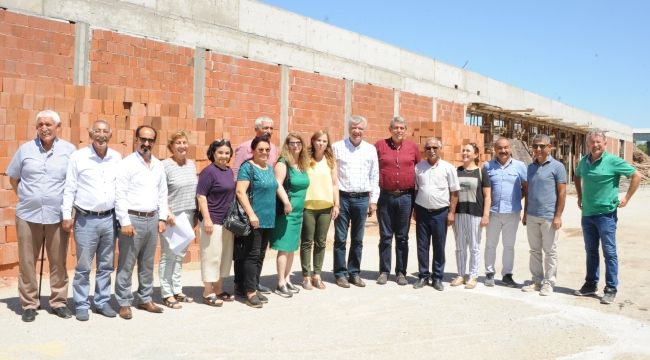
(532, 286)
(546, 290)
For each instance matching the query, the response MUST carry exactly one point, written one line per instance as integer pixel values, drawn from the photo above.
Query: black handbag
(286, 184)
(236, 220)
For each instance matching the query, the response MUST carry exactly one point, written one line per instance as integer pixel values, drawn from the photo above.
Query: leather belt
(94, 213)
(353, 194)
(142, 213)
(398, 192)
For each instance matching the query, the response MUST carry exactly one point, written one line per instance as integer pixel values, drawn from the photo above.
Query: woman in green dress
(291, 166)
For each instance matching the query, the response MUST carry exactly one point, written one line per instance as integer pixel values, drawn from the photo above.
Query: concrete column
(284, 102)
(348, 106)
(647, 147)
(81, 73)
(396, 96)
(199, 82)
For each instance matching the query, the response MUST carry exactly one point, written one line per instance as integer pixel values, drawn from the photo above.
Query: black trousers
(249, 256)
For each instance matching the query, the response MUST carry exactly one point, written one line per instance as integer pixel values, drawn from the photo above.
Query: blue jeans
(394, 216)
(595, 229)
(94, 236)
(353, 212)
(431, 228)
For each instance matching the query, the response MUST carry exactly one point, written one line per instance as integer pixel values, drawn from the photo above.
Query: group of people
(291, 195)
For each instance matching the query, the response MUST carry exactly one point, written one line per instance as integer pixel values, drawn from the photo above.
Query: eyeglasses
(295, 143)
(431, 148)
(144, 140)
(101, 131)
(267, 150)
(539, 146)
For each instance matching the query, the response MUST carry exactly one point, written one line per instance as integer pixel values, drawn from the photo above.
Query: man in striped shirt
(358, 175)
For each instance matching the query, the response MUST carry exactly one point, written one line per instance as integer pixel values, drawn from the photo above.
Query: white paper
(179, 235)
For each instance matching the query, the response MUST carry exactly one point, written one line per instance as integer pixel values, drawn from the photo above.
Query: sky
(589, 54)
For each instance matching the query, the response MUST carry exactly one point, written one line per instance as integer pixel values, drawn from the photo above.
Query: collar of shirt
(503, 166)
(350, 145)
(40, 144)
(590, 162)
(548, 160)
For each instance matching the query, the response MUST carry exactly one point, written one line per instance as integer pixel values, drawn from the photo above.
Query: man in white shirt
(437, 186)
(358, 175)
(141, 209)
(90, 190)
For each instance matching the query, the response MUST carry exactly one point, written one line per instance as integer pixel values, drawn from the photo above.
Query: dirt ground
(378, 322)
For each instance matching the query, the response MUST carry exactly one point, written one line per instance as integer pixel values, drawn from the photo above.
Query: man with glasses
(542, 217)
(358, 176)
(141, 209)
(436, 197)
(90, 191)
(397, 158)
(597, 178)
(509, 186)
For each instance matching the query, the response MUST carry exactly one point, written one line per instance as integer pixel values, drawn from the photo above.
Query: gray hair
(357, 120)
(499, 139)
(597, 133)
(49, 114)
(262, 119)
(543, 138)
(100, 121)
(398, 120)
(434, 140)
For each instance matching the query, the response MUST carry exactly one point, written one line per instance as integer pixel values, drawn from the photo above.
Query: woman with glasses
(215, 192)
(181, 185)
(472, 214)
(256, 190)
(290, 172)
(321, 207)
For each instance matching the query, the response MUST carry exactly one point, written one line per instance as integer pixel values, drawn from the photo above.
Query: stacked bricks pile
(136, 81)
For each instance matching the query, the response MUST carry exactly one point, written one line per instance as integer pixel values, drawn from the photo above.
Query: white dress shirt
(90, 181)
(358, 168)
(434, 184)
(140, 187)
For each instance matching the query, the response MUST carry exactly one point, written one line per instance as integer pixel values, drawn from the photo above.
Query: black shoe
(82, 314)
(263, 289)
(254, 302)
(356, 281)
(262, 298)
(401, 280)
(63, 312)
(437, 284)
(382, 279)
(489, 279)
(587, 289)
(292, 288)
(283, 291)
(342, 282)
(608, 296)
(509, 281)
(422, 282)
(29, 315)
(106, 310)
(239, 291)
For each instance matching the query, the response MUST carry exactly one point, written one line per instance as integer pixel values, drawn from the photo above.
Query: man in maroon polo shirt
(397, 159)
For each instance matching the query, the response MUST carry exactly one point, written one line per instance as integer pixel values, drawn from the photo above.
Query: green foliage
(643, 147)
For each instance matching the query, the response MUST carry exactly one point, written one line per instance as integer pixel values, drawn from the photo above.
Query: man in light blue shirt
(543, 214)
(37, 174)
(509, 186)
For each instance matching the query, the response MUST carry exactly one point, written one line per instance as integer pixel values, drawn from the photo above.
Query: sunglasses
(144, 140)
(268, 150)
(295, 143)
(539, 146)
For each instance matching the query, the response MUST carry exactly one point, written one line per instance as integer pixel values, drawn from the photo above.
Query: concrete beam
(348, 106)
(81, 71)
(396, 108)
(199, 82)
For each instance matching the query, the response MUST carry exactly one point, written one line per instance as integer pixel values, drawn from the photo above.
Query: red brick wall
(415, 109)
(375, 104)
(237, 92)
(316, 102)
(35, 48)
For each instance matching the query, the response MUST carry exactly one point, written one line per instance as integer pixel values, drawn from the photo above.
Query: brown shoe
(342, 282)
(306, 283)
(457, 281)
(125, 312)
(150, 307)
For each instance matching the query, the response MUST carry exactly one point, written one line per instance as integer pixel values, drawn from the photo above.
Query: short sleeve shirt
(434, 184)
(218, 186)
(470, 196)
(542, 187)
(181, 185)
(506, 183)
(42, 180)
(600, 180)
(262, 196)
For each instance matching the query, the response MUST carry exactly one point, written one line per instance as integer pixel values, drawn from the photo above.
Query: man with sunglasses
(509, 185)
(141, 209)
(436, 197)
(542, 217)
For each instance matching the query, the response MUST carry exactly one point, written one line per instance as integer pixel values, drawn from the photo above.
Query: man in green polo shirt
(597, 178)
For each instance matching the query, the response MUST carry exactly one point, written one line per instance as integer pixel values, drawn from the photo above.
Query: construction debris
(641, 162)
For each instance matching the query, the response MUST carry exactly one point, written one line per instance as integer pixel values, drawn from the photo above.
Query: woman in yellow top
(321, 207)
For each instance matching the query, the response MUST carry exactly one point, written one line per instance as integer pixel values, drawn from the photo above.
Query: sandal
(212, 300)
(184, 298)
(172, 304)
(318, 283)
(226, 296)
